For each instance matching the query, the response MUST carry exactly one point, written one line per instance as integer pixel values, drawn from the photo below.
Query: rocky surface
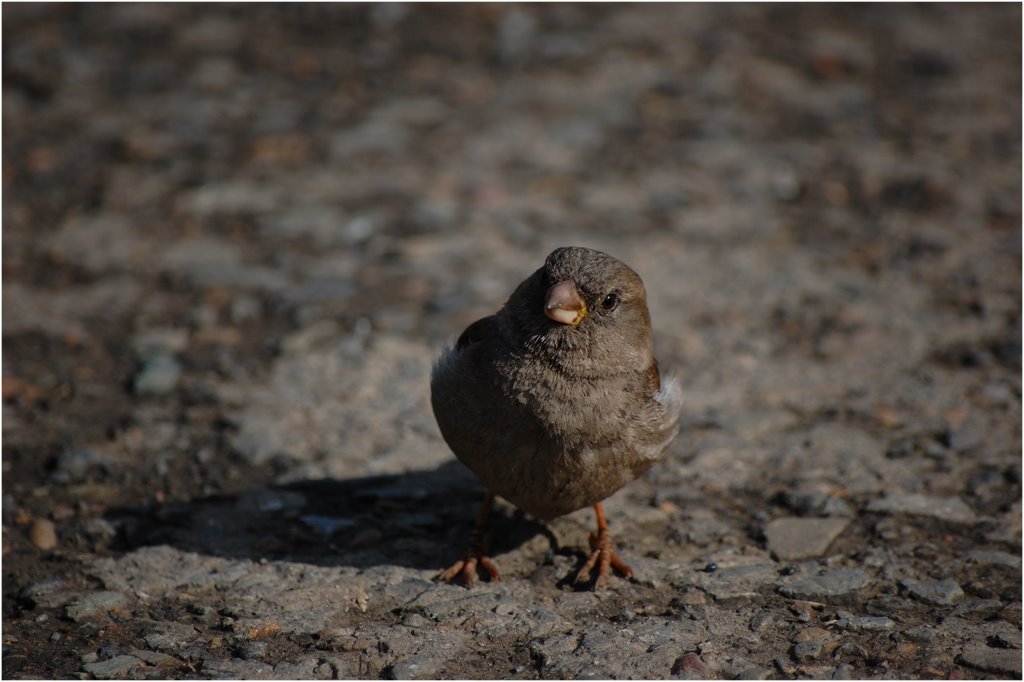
(235, 239)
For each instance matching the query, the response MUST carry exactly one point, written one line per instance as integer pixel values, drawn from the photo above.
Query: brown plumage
(555, 402)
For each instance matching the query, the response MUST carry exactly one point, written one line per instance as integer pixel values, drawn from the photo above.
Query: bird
(556, 401)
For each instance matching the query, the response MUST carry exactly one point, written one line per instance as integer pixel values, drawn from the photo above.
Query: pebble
(416, 668)
(737, 582)
(843, 671)
(99, 530)
(811, 633)
(689, 666)
(109, 651)
(236, 669)
(995, 559)
(74, 464)
(937, 592)
(155, 658)
(113, 667)
(253, 649)
(832, 583)
(951, 509)
(43, 534)
(792, 538)
(159, 375)
(979, 608)
(154, 342)
(761, 620)
(51, 593)
(922, 634)
(170, 635)
(1005, 640)
(303, 669)
(848, 621)
(96, 605)
(1011, 612)
(992, 660)
(810, 650)
(837, 507)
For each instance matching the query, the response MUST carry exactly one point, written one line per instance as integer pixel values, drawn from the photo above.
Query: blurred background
(235, 237)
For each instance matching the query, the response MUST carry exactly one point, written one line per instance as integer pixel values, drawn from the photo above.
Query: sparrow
(555, 402)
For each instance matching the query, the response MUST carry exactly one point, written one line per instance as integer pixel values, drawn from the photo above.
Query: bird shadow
(420, 519)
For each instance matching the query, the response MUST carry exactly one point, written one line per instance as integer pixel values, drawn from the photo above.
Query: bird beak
(564, 304)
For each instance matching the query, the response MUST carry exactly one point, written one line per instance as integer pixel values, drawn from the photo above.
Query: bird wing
(480, 330)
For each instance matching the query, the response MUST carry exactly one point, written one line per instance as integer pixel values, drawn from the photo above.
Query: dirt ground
(236, 237)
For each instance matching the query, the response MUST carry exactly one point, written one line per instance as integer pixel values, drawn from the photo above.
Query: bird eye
(610, 302)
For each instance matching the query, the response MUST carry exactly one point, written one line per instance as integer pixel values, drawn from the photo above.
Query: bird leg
(602, 555)
(476, 556)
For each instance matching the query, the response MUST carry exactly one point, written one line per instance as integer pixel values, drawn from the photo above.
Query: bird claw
(603, 557)
(468, 567)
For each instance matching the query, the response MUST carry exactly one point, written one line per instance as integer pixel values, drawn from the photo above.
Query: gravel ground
(235, 238)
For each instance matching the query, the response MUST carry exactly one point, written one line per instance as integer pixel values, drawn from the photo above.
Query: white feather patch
(670, 394)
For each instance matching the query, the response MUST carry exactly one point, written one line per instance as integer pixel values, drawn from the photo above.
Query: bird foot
(604, 559)
(467, 568)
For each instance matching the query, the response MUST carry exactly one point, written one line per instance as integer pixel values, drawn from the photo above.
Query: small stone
(740, 581)
(245, 309)
(843, 671)
(99, 530)
(804, 652)
(170, 635)
(416, 668)
(415, 620)
(75, 464)
(689, 666)
(951, 509)
(995, 559)
(236, 669)
(762, 620)
(159, 375)
(834, 506)
(783, 665)
(937, 592)
(848, 621)
(117, 666)
(1011, 612)
(793, 538)
(96, 605)
(804, 611)
(108, 652)
(155, 342)
(921, 634)
(785, 184)
(994, 661)
(155, 658)
(303, 669)
(253, 649)
(755, 674)
(811, 633)
(832, 583)
(979, 608)
(1011, 640)
(43, 534)
(623, 616)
